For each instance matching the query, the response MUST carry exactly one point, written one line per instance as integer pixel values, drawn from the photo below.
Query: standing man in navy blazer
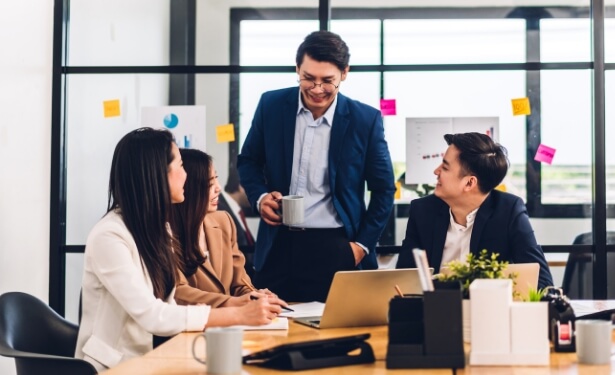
(465, 214)
(312, 141)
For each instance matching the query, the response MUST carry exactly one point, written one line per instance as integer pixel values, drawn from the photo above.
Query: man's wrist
(258, 202)
(363, 247)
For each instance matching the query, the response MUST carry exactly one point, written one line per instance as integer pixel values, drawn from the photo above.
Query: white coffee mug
(223, 350)
(593, 341)
(292, 209)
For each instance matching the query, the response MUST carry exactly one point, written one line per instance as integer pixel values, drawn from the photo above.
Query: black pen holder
(426, 331)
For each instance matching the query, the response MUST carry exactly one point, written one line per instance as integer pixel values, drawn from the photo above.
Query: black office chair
(578, 274)
(40, 340)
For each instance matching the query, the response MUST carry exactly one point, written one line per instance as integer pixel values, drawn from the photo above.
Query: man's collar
(328, 116)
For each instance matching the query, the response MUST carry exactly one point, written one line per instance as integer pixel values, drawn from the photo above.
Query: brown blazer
(219, 277)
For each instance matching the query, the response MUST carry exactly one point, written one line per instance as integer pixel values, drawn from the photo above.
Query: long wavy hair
(187, 218)
(139, 189)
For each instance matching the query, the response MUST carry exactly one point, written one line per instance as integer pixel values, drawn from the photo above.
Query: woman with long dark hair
(130, 271)
(211, 263)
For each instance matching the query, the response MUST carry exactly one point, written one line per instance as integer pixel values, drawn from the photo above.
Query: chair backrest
(578, 273)
(39, 339)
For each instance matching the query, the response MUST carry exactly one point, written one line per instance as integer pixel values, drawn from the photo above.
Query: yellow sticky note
(501, 187)
(225, 133)
(111, 108)
(398, 190)
(521, 106)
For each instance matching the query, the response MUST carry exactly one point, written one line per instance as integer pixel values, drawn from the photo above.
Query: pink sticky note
(544, 154)
(387, 107)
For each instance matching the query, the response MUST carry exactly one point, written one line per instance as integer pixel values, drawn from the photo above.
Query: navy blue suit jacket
(358, 154)
(501, 226)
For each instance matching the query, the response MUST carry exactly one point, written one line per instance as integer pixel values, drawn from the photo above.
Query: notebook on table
(361, 298)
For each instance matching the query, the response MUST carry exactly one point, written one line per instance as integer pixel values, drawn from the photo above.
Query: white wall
(26, 34)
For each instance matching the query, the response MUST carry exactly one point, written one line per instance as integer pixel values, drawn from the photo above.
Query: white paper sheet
(587, 307)
(277, 324)
(306, 309)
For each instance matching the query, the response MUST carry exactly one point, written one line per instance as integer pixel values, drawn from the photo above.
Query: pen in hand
(252, 288)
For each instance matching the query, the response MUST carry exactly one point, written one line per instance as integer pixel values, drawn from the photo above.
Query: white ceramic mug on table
(223, 350)
(593, 341)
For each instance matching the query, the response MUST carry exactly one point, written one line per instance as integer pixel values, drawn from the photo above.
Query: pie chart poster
(186, 122)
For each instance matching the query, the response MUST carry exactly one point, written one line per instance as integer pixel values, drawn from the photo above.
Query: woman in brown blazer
(211, 263)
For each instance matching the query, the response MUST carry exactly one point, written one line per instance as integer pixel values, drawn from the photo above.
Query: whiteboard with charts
(425, 144)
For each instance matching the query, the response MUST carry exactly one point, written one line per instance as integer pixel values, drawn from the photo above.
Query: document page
(306, 309)
(585, 308)
(278, 323)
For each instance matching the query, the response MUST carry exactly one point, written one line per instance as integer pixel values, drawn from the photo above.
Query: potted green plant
(481, 266)
(535, 295)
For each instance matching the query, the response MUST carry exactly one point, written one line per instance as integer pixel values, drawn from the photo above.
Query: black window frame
(182, 91)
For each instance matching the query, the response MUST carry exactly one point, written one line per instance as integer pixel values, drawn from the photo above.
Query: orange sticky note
(398, 190)
(111, 108)
(225, 133)
(521, 106)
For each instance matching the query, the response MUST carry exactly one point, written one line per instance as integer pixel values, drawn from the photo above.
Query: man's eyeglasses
(308, 84)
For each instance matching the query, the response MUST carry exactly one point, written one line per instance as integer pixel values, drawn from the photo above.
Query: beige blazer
(219, 277)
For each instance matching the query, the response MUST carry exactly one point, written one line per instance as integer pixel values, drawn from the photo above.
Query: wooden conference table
(175, 356)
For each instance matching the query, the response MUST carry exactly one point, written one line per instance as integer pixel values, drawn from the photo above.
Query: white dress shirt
(457, 244)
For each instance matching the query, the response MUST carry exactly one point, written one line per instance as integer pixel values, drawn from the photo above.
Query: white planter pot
(465, 318)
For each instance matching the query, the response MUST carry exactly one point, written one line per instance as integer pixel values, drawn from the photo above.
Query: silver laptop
(361, 298)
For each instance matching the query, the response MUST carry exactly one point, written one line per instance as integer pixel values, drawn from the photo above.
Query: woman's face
(214, 190)
(177, 176)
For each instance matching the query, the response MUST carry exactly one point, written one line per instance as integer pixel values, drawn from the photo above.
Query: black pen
(253, 298)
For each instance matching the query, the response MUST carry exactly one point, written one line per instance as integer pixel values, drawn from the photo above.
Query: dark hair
(324, 46)
(139, 188)
(188, 216)
(481, 157)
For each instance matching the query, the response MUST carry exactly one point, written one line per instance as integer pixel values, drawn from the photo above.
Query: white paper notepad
(278, 323)
(303, 310)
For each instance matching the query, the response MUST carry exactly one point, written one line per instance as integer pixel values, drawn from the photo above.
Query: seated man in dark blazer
(465, 214)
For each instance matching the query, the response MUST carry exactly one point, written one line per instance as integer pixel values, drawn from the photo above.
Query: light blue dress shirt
(310, 175)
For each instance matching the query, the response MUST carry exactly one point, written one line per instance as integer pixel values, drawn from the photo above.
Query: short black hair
(480, 156)
(324, 46)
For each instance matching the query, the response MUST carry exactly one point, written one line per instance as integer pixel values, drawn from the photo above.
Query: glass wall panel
(91, 139)
(566, 126)
(362, 38)
(450, 41)
(252, 86)
(609, 39)
(565, 40)
(262, 43)
(459, 94)
(117, 33)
